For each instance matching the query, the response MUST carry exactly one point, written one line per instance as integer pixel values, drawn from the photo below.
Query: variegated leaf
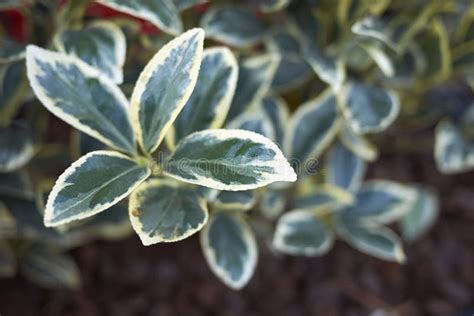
(344, 168)
(49, 268)
(322, 197)
(254, 121)
(161, 211)
(454, 152)
(299, 232)
(380, 56)
(272, 203)
(277, 111)
(380, 201)
(17, 147)
(162, 13)
(358, 144)
(81, 96)
(369, 109)
(372, 240)
(329, 69)
(255, 77)
(230, 249)
(165, 86)
(422, 216)
(211, 98)
(234, 160)
(235, 200)
(235, 26)
(373, 27)
(11, 50)
(92, 184)
(312, 128)
(100, 44)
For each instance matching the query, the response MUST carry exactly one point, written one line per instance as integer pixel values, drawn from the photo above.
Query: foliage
(241, 120)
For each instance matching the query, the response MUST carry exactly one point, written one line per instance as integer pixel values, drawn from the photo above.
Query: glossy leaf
(328, 68)
(421, 217)
(299, 232)
(344, 168)
(234, 26)
(164, 87)
(211, 98)
(312, 128)
(369, 109)
(81, 96)
(254, 121)
(17, 147)
(100, 44)
(454, 152)
(372, 240)
(255, 77)
(233, 160)
(162, 13)
(92, 184)
(230, 249)
(235, 200)
(161, 211)
(373, 27)
(323, 196)
(272, 203)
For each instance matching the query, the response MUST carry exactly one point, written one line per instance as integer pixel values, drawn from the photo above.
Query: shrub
(261, 111)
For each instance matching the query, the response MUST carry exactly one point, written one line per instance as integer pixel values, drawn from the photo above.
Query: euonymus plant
(195, 137)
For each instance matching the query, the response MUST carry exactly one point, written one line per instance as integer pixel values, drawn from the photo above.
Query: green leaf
(234, 26)
(92, 184)
(13, 85)
(255, 77)
(434, 45)
(7, 260)
(17, 147)
(235, 200)
(344, 168)
(369, 109)
(81, 96)
(277, 111)
(49, 268)
(164, 87)
(272, 5)
(422, 216)
(312, 128)
(373, 27)
(254, 121)
(272, 203)
(7, 222)
(186, 4)
(211, 98)
(380, 56)
(161, 13)
(230, 249)
(358, 144)
(100, 44)
(380, 201)
(16, 184)
(329, 69)
(373, 240)
(300, 233)
(454, 152)
(11, 50)
(161, 211)
(234, 160)
(323, 196)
